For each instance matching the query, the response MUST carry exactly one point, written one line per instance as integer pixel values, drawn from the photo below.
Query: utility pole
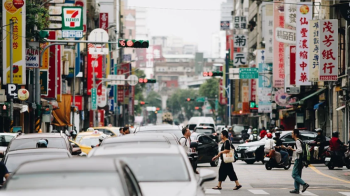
(11, 72)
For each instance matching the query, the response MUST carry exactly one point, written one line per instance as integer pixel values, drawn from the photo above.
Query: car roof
(38, 150)
(195, 134)
(63, 191)
(136, 138)
(91, 136)
(204, 127)
(140, 149)
(159, 127)
(39, 135)
(68, 165)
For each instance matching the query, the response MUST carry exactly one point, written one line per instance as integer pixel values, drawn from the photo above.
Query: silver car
(160, 170)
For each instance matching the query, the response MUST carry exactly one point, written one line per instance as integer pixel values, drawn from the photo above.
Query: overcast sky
(192, 25)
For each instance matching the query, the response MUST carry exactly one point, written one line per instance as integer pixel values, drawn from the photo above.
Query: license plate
(266, 159)
(239, 155)
(328, 159)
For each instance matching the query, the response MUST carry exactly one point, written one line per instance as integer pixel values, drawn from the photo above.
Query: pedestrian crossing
(272, 192)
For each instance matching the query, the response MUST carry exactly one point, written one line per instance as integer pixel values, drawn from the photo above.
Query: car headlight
(252, 148)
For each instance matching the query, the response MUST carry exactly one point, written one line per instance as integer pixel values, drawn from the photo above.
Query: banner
(289, 65)
(104, 21)
(264, 84)
(304, 14)
(123, 91)
(94, 66)
(18, 14)
(268, 33)
(46, 56)
(278, 53)
(314, 48)
(328, 52)
(290, 11)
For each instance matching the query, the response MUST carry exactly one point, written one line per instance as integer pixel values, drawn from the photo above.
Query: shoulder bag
(229, 157)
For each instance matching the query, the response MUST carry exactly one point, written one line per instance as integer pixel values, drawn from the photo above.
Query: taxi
(87, 142)
(87, 133)
(110, 131)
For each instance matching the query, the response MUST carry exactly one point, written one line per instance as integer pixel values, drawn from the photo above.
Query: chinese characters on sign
(264, 83)
(239, 58)
(240, 22)
(278, 54)
(328, 53)
(304, 15)
(240, 41)
(104, 21)
(268, 28)
(245, 93)
(290, 12)
(285, 35)
(314, 50)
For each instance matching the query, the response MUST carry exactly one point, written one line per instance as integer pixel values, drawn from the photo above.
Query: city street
(256, 180)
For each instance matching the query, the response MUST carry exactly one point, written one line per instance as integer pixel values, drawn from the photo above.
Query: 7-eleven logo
(72, 17)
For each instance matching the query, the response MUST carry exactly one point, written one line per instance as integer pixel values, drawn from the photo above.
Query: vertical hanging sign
(328, 53)
(304, 15)
(278, 57)
(17, 12)
(268, 28)
(314, 48)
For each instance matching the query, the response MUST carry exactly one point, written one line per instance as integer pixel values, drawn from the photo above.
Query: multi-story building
(218, 45)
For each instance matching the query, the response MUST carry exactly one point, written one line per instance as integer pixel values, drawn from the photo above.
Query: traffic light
(196, 108)
(145, 80)
(253, 107)
(142, 103)
(212, 73)
(189, 99)
(157, 109)
(131, 43)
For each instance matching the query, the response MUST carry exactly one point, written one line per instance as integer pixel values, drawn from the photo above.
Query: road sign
(132, 80)
(2, 96)
(12, 91)
(93, 99)
(200, 99)
(248, 73)
(118, 80)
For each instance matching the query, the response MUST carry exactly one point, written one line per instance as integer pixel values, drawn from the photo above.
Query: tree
(210, 89)
(177, 101)
(153, 100)
(37, 15)
(139, 91)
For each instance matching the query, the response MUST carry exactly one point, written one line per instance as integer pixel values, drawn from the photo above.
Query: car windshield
(5, 140)
(19, 144)
(204, 131)
(155, 168)
(65, 180)
(149, 144)
(191, 127)
(206, 124)
(14, 160)
(92, 141)
(176, 132)
(238, 129)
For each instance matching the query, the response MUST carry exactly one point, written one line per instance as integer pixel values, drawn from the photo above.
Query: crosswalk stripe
(345, 193)
(307, 193)
(212, 191)
(259, 192)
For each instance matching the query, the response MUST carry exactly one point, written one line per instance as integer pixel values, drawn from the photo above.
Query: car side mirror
(206, 175)
(194, 145)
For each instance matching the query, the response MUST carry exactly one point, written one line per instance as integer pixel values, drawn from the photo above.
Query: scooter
(338, 160)
(315, 156)
(270, 162)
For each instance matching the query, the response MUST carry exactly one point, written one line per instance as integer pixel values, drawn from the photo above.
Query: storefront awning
(318, 105)
(309, 96)
(340, 108)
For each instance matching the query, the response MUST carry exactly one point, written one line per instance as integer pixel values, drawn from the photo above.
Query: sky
(196, 25)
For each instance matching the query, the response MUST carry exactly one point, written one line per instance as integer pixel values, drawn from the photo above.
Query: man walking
(185, 142)
(298, 164)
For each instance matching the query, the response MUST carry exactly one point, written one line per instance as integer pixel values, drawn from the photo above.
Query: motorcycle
(338, 159)
(314, 151)
(270, 162)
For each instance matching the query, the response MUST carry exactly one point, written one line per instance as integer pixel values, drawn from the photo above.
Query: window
(308, 136)
(288, 138)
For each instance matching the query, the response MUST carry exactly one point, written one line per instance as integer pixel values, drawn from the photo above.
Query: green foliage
(36, 15)
(177, 101)
(210, 89)
(153, 100)
(138, 91)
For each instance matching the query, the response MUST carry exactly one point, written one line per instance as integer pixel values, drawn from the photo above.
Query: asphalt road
(256, 180)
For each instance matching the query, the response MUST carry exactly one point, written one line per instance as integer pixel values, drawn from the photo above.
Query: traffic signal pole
(11, 72)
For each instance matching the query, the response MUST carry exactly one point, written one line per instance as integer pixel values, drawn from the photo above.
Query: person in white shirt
(185, 142)
(250, 130)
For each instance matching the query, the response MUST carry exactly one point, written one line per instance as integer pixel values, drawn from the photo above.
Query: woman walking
(226, 169)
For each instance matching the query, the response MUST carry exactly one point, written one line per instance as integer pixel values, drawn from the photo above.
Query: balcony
(252, 37)
(253, 10)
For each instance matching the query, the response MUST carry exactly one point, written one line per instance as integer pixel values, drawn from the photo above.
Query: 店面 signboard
(240, 22)
(44, 82)
(93, 99)
(72, 21)
(240, 41)
(248, 73)
(32, 55)
(314, 48)
(239, 58)
(285, 35)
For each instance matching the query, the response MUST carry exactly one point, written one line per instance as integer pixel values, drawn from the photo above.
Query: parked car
(237, 132)
(56, 140)
(159, 169)
(78, 173)
(15, 158)
(138, 139)
(200, 121)
(111, 131)
(170, 136)
(207, 148)
(209, 131)
(164, 128)
(254, 151)
(5, 139)
(87, 133)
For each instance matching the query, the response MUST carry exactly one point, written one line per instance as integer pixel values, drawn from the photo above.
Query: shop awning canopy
(340, 108)
(318, 105)
(309, 96)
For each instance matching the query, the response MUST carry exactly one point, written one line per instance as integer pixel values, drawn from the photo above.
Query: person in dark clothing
(320, 141)
(3, 173)
(226, 169)
(335, 144)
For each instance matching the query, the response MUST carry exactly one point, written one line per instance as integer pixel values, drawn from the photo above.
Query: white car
(161, 170)
(5, 139)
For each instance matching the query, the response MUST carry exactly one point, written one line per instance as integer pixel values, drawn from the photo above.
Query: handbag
(230, 156)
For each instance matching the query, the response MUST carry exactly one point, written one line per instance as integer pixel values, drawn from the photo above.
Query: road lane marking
(334, 178)
(259, 192)
(307, 193)
(212, 192)
(345, 193)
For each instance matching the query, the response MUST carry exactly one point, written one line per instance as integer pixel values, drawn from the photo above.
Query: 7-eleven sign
(72, 18)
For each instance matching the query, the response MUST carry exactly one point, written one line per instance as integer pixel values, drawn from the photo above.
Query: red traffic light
(196, 108)
(205, 74)
(157, 109)
(140, 80)
(210, 74)
(130, 43)
(188, 99)
(142, 102)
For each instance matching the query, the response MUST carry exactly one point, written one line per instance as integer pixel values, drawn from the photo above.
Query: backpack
(305, 155)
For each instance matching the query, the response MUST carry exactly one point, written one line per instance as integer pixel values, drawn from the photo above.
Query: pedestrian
(226, 169)
(121, 131)
(126, 130)
(3, 173)
(185, 142)
(298, 164)
(250, 130)
(263, 133)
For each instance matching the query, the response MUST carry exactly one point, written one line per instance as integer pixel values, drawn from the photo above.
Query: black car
(238, 130)
(207, 130)
(254, 151)
(207, 148)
